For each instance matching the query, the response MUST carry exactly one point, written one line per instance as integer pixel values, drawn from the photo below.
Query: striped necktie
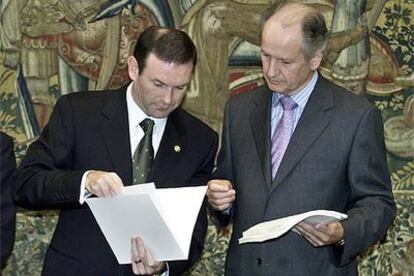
(283, 132)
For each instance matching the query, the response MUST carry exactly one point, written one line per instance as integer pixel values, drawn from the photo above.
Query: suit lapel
(173, 144)
(314, 120)
(114, 126)
(260, 124)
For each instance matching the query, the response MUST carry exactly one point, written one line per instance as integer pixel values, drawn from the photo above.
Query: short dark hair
(169, 45)
(314, 30)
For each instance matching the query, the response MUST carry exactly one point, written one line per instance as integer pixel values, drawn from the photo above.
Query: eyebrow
(161, 82)
(157, 80)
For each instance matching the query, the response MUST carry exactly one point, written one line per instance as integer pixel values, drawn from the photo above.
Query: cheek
(293, 74)
(265, 64)
(178, 97)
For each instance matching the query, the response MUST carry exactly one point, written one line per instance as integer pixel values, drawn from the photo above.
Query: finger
(221, 186)
(217, 202)
(324, 232)
(141, 269)
(305, 234)
(221, 194)
(222, 202)
(321, 233)
(145, 261)
(150, 260)
(156, 266)
(318, 237)
(333, 232)
(314, 240)
(138, 268)
(116, 183)
(322, 228)
(103, 183)
(221, 199)
(217, 185)
(105, 190)
(140, 248)
(308, 228)
(134, 250)
(146, 257)
(135, 267)
(98, 183)
(218, 198)
(134, 257)
(300, 229)
(90, 184)
(97, 190)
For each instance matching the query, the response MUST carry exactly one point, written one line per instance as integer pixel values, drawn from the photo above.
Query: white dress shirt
(300, 97)
(135, 116)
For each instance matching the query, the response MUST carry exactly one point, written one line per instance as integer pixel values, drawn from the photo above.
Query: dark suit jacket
(335, 160)
(8, 210)
(90, 131)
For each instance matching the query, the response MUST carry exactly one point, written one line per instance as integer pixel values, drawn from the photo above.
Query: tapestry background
(53, 47)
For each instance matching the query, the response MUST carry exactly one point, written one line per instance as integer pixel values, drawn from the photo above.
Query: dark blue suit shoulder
(192, 123)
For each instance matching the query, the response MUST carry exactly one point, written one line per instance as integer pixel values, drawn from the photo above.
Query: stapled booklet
(273, 229)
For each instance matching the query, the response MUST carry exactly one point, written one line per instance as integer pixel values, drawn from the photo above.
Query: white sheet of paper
(275, 228)
(179, 215)
(144, 188)
(167, 233)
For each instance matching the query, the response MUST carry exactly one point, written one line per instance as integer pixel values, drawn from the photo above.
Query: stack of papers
(275, 228)
(163, 218)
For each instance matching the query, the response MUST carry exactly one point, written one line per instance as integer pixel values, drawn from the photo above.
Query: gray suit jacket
(335, 160)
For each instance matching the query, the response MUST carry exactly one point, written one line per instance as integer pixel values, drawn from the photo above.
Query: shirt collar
(137, 115)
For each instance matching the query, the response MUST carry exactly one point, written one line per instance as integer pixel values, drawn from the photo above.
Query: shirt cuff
(227, 210)
(84, 194)
(167, 270)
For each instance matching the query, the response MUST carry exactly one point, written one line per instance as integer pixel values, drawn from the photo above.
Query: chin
(160, 115)
(277, 88)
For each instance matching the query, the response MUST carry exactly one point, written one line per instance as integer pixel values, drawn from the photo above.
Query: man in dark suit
(88, 147)
(298, 144)
(8, 210)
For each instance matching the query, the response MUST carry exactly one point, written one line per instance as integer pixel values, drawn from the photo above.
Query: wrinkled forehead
(290, 15)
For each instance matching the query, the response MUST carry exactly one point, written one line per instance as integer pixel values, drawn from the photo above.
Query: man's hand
(321, 234)
(141, 259)
(103, 184)
(220, 194)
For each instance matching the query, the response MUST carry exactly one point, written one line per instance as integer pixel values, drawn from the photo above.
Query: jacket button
(259, 261)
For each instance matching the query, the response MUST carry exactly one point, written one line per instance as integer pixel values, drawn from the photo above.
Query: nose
(167, 97)
(272, 68)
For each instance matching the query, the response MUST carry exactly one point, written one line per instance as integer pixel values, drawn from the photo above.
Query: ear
(133, 70)
(316, 60)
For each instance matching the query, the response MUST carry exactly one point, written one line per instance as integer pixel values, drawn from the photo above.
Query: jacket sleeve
(8, 210)
(45, 178)
(224, 167)
(371, 208)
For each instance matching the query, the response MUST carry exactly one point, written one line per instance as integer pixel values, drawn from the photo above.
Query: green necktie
(144, 154)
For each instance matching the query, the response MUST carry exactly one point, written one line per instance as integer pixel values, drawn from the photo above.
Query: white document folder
(163, 218)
